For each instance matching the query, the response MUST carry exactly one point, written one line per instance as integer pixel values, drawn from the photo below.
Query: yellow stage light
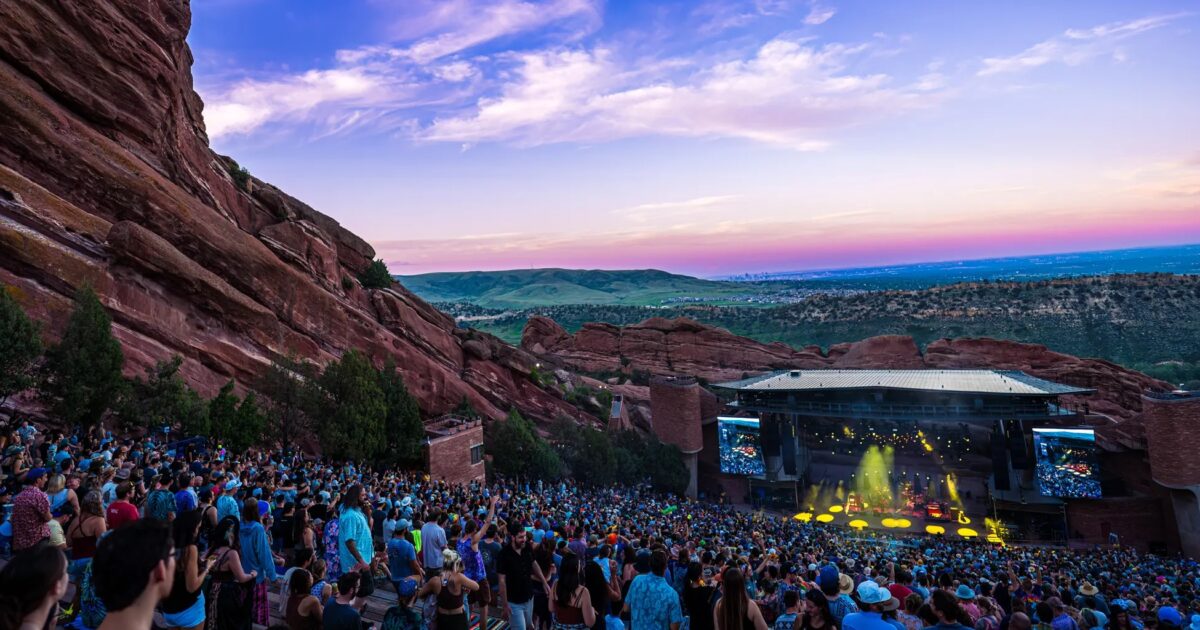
(992, 538)
(835, 509)
(824, 518)
(858, 524)
(967, 532)
(935, 529)
(903, 523)
(803, 517)
(962, 519)
(888, 522)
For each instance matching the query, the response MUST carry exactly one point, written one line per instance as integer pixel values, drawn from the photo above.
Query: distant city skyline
(714, 138)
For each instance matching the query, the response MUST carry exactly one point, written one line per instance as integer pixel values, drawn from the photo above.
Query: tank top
(570, 614)
(447, 600)
(180, 599)
(83, 547)
(295, 620)
(58, 498)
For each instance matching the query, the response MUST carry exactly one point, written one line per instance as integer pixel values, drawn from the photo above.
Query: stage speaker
(1018, 446)
(1000, 458)
(769, 434)
(787, 440)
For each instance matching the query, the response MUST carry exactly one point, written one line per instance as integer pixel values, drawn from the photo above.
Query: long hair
(227, 533)
(734, 602)
(352, 498)
(92, 504)
(183, 529)
(818, 599)
(597, 586)
(946, 603)
(568, 579)
(26, 580)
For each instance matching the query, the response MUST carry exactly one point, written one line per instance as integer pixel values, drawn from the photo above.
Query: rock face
(107, 180)
(685, 347)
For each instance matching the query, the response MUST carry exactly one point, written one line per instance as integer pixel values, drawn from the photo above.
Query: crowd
(198, 537)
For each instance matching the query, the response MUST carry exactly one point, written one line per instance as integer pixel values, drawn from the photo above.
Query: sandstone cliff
(683, 346)
(107, 179)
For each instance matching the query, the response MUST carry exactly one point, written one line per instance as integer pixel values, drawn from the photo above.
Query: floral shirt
(29, 522)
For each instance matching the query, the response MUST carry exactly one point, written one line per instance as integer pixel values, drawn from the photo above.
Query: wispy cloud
(787, 93)
(819, 14)
(1076, 46)
(1171, 179)
(688, 208)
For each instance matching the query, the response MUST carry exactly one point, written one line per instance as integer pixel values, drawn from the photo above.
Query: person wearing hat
(402, 555)
(1090, 597)
(836, 591)
(402, 615)
(966, 598)
(1169, 618)
(873, 600)
(31, 512)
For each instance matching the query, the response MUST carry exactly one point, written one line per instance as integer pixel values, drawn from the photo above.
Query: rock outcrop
(685, 347)
(107, 180)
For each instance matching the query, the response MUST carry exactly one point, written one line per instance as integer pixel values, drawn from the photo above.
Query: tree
(403, 428)
(236, 426)
(352, 409)
(84, 369)
(20, 347)
(517, 450)
(376, 276)
(291, 392)
(163, 399)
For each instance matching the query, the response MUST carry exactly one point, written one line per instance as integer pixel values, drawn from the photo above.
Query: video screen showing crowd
(740, 446)
(1067, 463)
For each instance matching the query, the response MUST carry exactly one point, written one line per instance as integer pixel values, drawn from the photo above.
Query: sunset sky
(714, 138)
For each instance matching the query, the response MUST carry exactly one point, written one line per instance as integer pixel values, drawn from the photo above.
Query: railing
(886, 411)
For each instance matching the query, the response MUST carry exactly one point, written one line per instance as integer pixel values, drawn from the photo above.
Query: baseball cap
(35, 474)
(828, 577)
(1168, 614)
(406, 587)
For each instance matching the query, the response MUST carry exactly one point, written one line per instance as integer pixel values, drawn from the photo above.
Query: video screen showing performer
(1068, 463)
(740, 446)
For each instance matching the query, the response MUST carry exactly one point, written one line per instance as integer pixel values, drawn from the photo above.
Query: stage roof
(1006, 382)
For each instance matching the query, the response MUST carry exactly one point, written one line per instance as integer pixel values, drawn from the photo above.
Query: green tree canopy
(238, 426)
(291, 392)
(352, 409)
(517, 450)
(376, 275)
(84, 369)
(163, 399)
(20, 347)
(403, 428)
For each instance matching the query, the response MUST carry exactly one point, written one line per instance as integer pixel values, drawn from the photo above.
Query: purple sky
(714, 138)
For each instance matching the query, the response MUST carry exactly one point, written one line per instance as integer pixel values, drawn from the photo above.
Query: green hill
(530, 288)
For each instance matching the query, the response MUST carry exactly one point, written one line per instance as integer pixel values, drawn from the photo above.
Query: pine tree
(163, 399)
(291, 397)
(402, 426)
(20, 347)
(236, 426)
(352, 409)
(84, 369)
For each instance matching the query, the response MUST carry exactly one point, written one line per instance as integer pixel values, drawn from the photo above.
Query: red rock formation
(107, 179)
(685, 347)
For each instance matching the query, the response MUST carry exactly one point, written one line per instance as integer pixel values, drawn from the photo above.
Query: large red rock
(107, 180)
(685, 347)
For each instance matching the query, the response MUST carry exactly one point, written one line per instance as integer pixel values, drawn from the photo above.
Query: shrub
(376, 276)
(240, 176)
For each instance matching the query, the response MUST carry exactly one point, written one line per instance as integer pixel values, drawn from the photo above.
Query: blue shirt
(352, 525)
(401, 553)
(256, 552)
(841, 607)
(228, 506)
(866, 621)
(653, 604)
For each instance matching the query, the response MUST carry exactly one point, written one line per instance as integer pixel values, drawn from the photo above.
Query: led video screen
(1068, 463)
(740, 446)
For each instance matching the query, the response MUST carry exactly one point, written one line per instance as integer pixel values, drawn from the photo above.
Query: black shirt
(517, 569)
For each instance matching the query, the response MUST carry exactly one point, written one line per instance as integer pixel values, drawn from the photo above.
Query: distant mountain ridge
(526, 288)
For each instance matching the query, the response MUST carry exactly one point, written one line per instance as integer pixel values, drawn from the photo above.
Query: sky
(714, 138)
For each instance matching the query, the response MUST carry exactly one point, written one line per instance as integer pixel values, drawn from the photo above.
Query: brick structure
(454, 449)
(1139, 522)
(1172, 442)
(679, 406)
